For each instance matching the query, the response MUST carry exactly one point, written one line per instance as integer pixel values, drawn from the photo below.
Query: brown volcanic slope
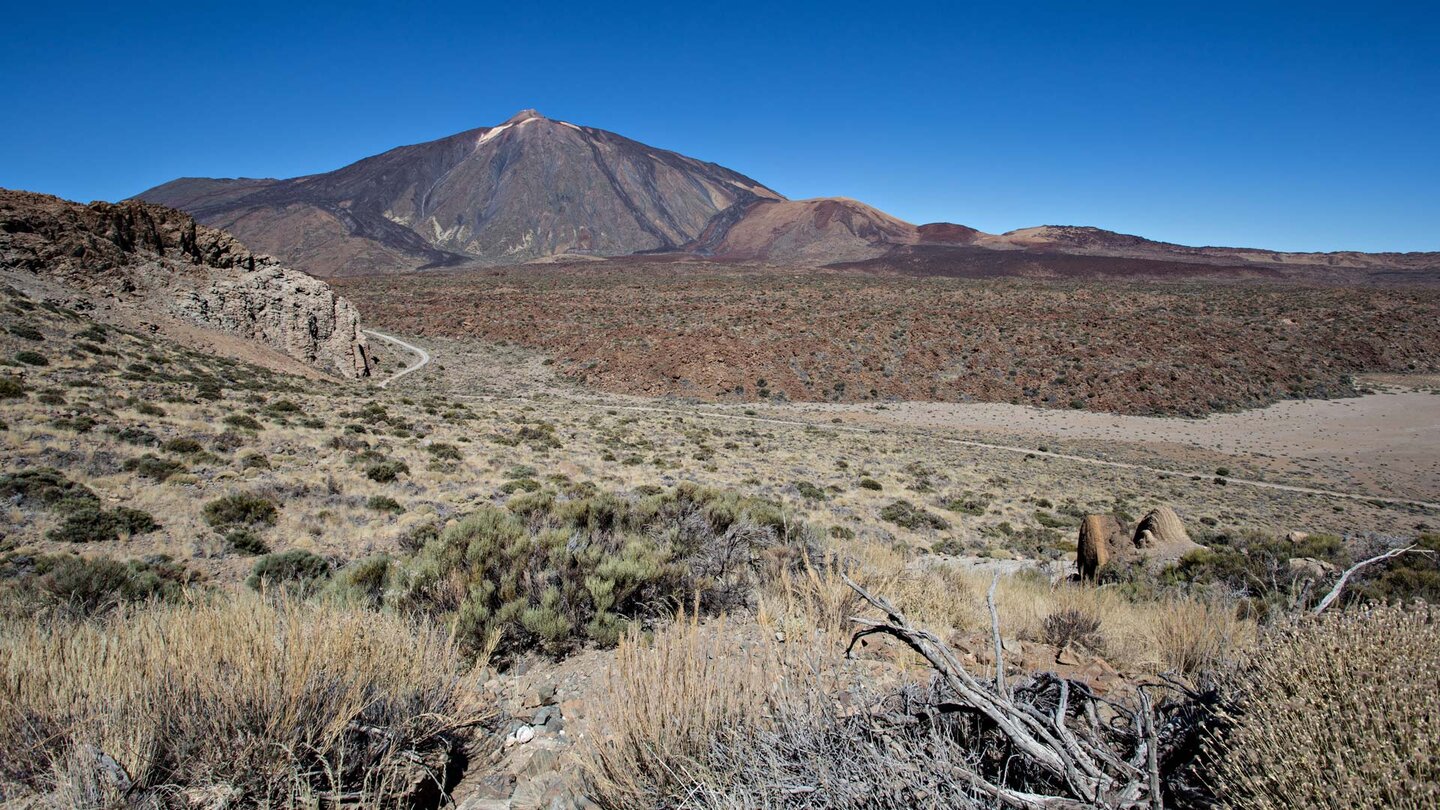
(526, 189)
(808, 232)
(735, 333)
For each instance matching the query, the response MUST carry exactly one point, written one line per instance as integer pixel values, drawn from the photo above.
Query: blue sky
(1292, 126)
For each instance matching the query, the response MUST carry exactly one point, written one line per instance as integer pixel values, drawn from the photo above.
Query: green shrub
(298, 571)
(83, 586)
(520, 485)
(91, 524)
(384, 503)
(247, 542)
(809, 491)
(153, 467)
(386, 471)
(969, 504)
(906, 514)
(871, 484)
(550, 573)
(243, 421)
(240, 510)
(254, 461)
(149, 409)
(183, 446)
(45, 487)
(31, 358)
(11, 388)
(135, 435)
(444, 451)
(26, 332)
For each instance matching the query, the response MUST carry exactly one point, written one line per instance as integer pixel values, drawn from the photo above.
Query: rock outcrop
(161, 261)
(1160, 537)
(1102, 541)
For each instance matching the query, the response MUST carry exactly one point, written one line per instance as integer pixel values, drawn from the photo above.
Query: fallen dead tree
(1055, 743)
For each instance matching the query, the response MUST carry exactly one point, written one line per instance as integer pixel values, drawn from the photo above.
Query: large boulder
(1161, 536)
(1102, 541)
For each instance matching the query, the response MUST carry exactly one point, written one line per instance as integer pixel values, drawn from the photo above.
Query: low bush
(11, 387)
(46, 487)
(871, 484)
(296, 571)
(386, 471)
(240, 510)
(90, 524)
(247, 542)
(243, 421)
(1073, 627)
(70, 585)
(183, 446)
(27, 332)
(1336, 711)
(384, 503)
(906, 514)
(31, 358)
(153, 467)
(550, 573)
(444, 451)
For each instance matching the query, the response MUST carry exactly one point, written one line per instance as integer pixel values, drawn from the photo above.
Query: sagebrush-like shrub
(298, 571)
(78, 586)
(906, 514)
(11, 388)
(549, 573)
(1342, 710)
(153, 467)
(386, 471)
(240, 509)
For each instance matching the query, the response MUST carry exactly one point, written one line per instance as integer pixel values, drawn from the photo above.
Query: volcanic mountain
(529, 188)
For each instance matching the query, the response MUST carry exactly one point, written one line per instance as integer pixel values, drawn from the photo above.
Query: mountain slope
(526, 189)
(152, 266)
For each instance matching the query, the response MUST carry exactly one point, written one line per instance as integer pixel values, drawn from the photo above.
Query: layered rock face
(160, 260)
(1159, 538)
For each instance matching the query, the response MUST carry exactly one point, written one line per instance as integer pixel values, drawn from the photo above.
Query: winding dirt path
(410, 347)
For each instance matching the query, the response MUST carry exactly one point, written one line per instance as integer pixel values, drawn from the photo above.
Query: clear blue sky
(1291, 126)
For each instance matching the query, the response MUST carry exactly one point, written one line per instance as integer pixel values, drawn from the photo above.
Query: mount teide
(529, 188)
(534, 188)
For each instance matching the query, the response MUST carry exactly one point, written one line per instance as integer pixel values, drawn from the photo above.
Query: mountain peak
(523, 115)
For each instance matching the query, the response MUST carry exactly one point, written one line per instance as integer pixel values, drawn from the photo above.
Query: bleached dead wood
(1088, 763)
(1345, 577)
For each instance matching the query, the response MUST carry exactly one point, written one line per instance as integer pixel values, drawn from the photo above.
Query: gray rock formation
(160, 261)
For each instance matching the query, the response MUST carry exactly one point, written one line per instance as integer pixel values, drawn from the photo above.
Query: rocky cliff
(159, 260)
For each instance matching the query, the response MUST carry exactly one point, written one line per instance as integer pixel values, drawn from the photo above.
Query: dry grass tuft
(270, 703)
(1339, 711)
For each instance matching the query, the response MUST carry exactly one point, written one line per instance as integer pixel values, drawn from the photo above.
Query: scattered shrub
(78, 586)
(11, 387)
(871, 484)
(384, 503)
(149, 409)
(243, 421)
(183, 446)
(549, 573)
(26, 332)
(31, 358)
(247, 542)
(444, 451)
(906, 514)
(297, 571)
(153, 467)
(45, 487)
(386, 471)
(240, 510)
(809, 491)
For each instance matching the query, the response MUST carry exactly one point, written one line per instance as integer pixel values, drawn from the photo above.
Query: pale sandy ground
(1384, 444)
(1387, 442)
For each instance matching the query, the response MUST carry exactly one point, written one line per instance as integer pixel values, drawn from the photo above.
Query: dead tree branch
(1345, 577)
(1051, 722)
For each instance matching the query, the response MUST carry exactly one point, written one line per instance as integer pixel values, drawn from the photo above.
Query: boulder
(1102, 540)
(1310, 568)
(1160, 536)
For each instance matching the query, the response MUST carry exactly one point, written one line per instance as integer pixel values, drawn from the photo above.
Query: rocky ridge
(160, 262)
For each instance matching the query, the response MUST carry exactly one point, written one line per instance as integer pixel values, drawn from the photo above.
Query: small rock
(1295, 538)
(520, 736)
(1068, 657)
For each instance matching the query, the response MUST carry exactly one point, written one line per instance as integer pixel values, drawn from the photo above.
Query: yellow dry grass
(269, 699)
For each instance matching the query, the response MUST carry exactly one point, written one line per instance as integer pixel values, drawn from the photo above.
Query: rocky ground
(754, 334)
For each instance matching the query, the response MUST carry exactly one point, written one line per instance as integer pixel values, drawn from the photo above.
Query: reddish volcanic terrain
(721, 332)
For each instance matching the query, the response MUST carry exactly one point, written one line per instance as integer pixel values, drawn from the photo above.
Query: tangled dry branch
(1071, 757)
